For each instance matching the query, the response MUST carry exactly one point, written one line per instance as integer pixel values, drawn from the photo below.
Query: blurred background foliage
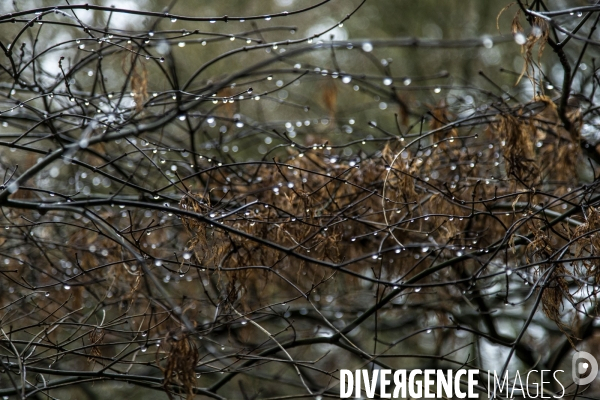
(421, 76)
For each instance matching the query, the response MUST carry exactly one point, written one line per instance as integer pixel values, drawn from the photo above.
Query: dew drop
(488, 43)
(520, 38)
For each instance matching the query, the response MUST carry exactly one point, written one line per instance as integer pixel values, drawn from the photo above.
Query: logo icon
(582, 363)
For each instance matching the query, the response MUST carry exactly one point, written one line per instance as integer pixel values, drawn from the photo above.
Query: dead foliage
(138, 78)
(181, 362)
(537, 36)
(95, 336)
(329, 95)
(518, 141)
